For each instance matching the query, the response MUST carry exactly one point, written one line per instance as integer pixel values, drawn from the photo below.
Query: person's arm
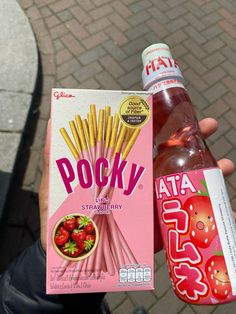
(23, 286)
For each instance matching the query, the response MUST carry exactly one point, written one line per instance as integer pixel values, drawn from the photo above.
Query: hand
(43, 191)
(208, 126)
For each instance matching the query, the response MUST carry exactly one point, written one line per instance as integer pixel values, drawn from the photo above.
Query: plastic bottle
(195, 216)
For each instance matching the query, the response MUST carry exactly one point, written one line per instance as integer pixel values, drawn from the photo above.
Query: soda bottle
(194, 212)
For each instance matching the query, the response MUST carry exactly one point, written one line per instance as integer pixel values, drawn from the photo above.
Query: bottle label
(166, 84)
(159, 69)
(199, 235)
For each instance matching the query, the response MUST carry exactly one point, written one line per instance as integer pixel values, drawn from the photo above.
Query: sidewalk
(97, 44)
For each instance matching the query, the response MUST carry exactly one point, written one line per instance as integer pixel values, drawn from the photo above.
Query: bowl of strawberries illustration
(75, 237)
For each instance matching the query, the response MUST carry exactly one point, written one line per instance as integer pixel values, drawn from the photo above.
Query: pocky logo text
(105, 174)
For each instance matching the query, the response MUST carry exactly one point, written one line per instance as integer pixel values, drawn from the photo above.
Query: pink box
(100, 221)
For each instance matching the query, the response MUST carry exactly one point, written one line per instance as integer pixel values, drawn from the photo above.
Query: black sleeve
(23, 286)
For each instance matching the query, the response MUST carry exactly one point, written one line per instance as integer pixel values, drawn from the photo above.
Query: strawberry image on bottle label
(202, 220)
(199, 237)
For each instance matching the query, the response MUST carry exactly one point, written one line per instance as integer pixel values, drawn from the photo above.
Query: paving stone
(202, 309)
(92, 55)
(107, 81)
(211, 18)
(141, 298)
(90, 83)
(98, 25)
(114, 50)
(62, 56)
(231, 136)
(214, 75)
(129, 79)
(135, 46)
(229, 54)
(195, 35)
(115, 299)
(137, 31)
(139, 18)
(162, 281)
(187, 310)
(166, 306)
(119, 21)
(229, 28)
(176, 12)
(45, 11)
(131, 62)
(126, 307)
(195, 80)
(157, 28)
(158, 15)
(213, 45)
(223, 127)
(213, 60)
(140, 5)
(230, 83)
(230, 116)
(160, 258)
(100, 12)
(95, 40)
(225, 308)
(215, 92)
(116, 35)
(61, 5)
(67, 68)
(65, 15)
(81, 15)
(14, 108)
(87, 71)
(69, 82)
(176, 24)
(176, 38)
(229, 68)
(72, 44)
(76, 29)
(112, 66)
(58, 31)
(227, 15)
(221, 148)
(195, 49)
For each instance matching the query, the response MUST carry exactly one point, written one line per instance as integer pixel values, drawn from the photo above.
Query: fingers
(208, 126)
(47, 147)
(226, 165)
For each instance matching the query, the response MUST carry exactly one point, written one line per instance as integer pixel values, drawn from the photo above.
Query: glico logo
(59, 95)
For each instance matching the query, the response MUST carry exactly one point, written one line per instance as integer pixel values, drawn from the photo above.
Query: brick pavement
(97, 44)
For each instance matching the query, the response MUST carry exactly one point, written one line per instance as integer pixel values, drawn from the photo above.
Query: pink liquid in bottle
(192, 205)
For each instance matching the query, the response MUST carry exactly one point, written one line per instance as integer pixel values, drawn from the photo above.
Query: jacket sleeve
(23, 289)
(22, 285)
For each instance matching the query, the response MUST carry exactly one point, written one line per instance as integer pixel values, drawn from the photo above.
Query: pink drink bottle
(195, 216)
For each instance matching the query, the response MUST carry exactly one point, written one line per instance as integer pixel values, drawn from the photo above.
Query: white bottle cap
(159, 65)
(154, 51)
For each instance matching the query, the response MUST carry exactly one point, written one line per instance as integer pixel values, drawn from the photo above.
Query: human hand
(208, 126)
(43, 191)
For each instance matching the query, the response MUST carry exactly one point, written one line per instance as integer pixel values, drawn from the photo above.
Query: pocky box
(100, 221)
